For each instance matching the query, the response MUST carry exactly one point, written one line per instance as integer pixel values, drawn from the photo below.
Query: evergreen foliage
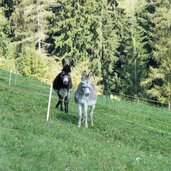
(158, 80)
(3, 35)
(127, 43)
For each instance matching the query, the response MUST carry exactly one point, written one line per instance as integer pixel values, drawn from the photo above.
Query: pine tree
(43, 15)
(140, 48)
(71, 32)
(4, 32)
(8, 7)
(158, 81)
(131, 66)
(29, 23)
(109, 43)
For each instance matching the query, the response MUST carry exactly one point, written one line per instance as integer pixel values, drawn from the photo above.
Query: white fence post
(169, 105)
(10, 77)
(50, 96)
(16, 73)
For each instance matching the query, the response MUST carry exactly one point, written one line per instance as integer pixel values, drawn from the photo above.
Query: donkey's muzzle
(65, 82)
(87, 94)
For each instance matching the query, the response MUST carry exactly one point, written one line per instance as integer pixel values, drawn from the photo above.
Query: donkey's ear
(63, 62)
(90, 74)
(83, 73)
(71, 62)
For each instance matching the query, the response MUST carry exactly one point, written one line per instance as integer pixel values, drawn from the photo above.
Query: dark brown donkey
(62, 84)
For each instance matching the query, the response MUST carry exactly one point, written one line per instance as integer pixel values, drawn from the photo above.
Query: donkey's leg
(85, 115)
(79, 115)
(66, 102)
(62, 109)
(91, 115)
(59, 104)
(60, 100)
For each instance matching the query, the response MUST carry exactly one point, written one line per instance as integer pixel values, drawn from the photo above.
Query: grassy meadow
(125, 136)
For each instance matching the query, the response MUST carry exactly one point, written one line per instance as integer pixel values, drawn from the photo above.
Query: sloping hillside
(126, 136)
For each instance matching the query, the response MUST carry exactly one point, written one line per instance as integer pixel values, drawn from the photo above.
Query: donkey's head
(66, 71)
(85, 83)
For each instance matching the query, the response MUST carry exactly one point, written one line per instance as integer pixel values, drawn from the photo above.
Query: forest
(125, 43)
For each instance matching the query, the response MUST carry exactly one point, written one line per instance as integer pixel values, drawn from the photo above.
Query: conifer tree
(158, 80)
(29, 23)
(131, 66)
(109, 43)
(71, 29)
(8, 7)
(4, 32)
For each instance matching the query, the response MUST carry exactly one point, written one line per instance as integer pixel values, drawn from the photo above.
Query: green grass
(126, 135)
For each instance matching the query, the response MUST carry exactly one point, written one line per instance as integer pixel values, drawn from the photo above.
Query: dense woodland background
(126, 43)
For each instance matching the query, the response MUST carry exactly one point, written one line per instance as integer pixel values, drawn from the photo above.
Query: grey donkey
(85, 95)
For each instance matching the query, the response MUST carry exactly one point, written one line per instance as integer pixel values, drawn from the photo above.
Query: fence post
(16, 73)
(169, 105)
(50, 96)
(10, 77)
